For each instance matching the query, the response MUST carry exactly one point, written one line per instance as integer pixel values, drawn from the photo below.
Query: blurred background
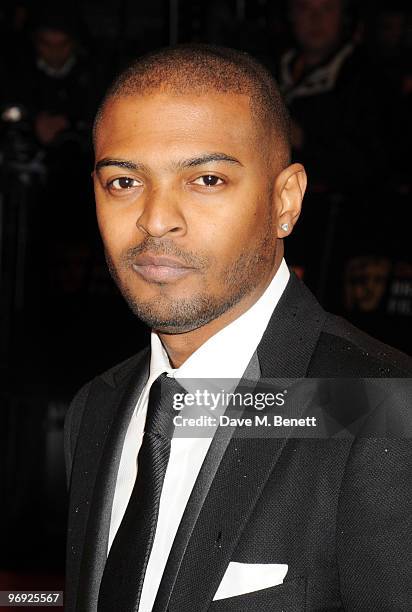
(345, 68)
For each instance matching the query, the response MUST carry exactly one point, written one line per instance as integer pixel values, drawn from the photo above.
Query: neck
(180, 347)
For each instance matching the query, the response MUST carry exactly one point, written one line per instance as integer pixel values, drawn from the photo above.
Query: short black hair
(200, 68)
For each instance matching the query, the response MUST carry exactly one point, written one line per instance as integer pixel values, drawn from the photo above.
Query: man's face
(54, 47)
(317, 24)
(366, 282)
(184, 205)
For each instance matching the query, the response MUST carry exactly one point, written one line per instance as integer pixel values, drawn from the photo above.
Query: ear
(290, 187)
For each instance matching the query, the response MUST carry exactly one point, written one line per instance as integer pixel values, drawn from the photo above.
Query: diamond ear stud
(284, 227)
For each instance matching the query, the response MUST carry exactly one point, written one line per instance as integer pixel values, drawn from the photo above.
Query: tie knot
(160, 409)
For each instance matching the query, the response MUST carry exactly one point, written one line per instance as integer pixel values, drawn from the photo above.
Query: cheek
(227, 236)
(117, 228)
(333, 24)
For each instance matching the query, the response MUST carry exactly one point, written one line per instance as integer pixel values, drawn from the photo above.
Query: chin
(170, 326)
(178, 317)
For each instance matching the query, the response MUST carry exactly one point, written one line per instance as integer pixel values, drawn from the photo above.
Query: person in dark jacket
(332, 95)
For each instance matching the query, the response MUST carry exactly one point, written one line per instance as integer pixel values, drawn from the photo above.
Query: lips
(159, 268)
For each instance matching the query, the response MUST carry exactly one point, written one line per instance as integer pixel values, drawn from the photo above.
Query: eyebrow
(182, 164)
(207, 158)
(119, 163)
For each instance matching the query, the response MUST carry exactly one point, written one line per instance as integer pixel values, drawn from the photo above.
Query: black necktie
(123, 575)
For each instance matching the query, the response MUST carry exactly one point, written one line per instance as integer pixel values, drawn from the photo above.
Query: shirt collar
(56, 73)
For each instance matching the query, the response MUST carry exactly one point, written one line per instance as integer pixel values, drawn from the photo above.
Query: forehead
(316, 4)
(165, 121)
(53, 37)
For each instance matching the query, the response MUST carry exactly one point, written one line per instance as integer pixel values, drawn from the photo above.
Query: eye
(208, 180)
(123, 183)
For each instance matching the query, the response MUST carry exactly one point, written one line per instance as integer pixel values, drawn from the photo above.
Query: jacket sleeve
(72, 423)
(374, 531)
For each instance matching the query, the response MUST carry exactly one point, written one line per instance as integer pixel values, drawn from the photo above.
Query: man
(195, 194)
(54, 82)
(333, 96)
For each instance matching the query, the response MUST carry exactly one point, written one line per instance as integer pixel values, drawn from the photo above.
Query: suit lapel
(293, 331)
(103, 430)
(243, 466)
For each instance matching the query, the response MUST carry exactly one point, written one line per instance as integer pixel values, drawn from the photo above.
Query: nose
(161, 215)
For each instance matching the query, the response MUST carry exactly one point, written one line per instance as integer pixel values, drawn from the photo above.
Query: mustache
(166, 247)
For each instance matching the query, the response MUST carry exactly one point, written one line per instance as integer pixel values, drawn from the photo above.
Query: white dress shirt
(225, 355)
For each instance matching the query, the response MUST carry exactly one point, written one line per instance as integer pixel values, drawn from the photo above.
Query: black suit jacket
(337, 511)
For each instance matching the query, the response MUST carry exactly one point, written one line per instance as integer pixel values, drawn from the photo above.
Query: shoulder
(117, 374)
(344, 350)
(114, 376)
